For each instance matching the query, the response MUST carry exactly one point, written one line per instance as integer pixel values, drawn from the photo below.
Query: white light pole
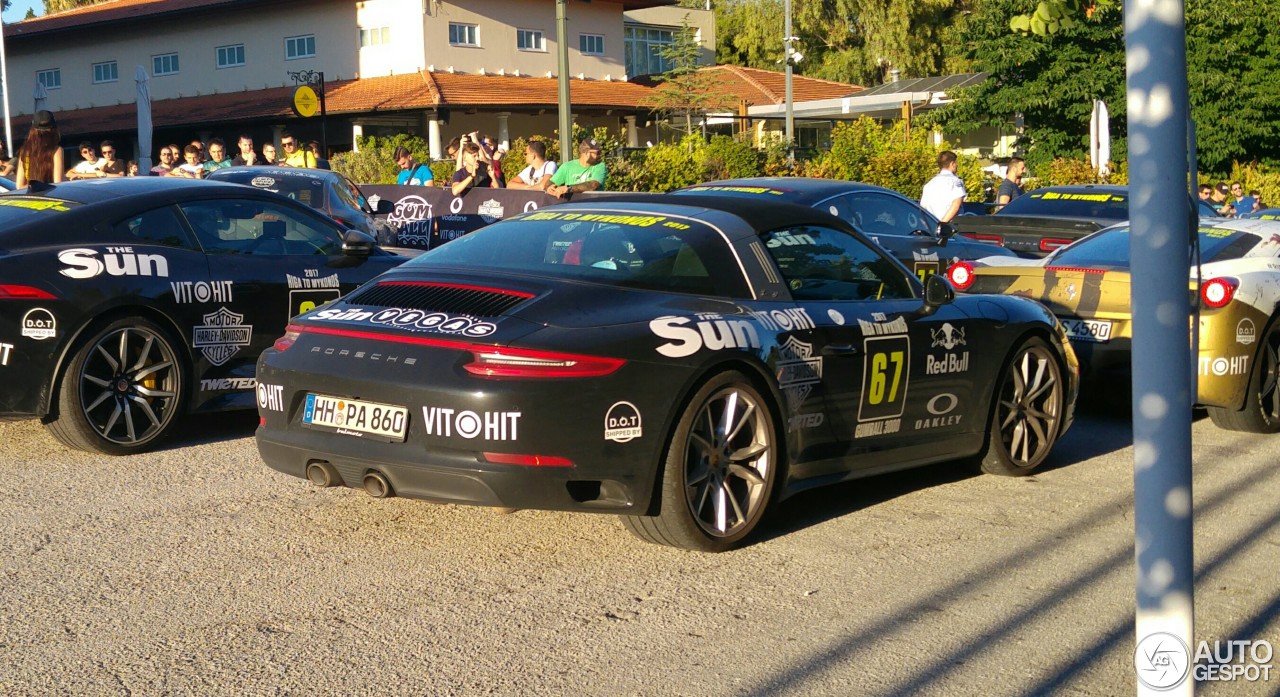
(786, 57)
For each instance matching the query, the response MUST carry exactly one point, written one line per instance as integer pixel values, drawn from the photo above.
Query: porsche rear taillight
(492, 362)
(291, 334)
(1218, 292)
(961, 275)
(9, 291)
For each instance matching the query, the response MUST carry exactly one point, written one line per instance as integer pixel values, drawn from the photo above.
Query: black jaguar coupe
(682, 361)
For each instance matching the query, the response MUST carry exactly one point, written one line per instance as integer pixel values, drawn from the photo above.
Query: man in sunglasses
(89, 167)
(1243, 204)
(111, 165)
(294, 154)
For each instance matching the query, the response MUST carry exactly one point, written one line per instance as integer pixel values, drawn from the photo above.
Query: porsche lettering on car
(126, 302)
(1238, 291)
(679, 361)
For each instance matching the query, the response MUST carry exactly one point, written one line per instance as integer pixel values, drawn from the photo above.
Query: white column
(357, 132)
(504, 136)
(433, 137)
(633, 136)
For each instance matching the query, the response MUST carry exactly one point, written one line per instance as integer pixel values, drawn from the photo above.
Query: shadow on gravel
(202, 429)
(1004, 563)
(1089, 437)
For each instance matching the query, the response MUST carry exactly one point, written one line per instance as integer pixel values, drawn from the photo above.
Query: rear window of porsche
(650, 251)
(1070, 204)
(301, 188)
(21, 209)
(1111, 247)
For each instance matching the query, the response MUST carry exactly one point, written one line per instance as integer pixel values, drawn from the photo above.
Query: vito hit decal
(39, 324)
(185, 292)
(270, 397)
(222, 335)
(115, 261)
(1224, 365)
(487, 425)
(885, 376)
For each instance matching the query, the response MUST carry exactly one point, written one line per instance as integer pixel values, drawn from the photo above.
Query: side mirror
(938, 292)
(384, 206)
(357, 244)
(945, 232)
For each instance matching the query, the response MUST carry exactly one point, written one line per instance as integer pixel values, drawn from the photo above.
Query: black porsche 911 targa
(680, 361)
(127, 302)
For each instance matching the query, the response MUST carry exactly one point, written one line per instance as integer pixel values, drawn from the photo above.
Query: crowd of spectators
(478, 164)
(195, 160)
(1230, 200)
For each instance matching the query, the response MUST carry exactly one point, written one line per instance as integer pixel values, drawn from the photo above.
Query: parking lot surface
(197, 570)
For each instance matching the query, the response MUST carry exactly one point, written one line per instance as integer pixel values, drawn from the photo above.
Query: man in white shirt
(944, 193)
(535, 155)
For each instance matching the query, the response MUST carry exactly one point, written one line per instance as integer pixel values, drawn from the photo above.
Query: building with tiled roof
(440, 68)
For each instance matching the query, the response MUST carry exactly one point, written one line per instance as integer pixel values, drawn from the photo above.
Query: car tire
(1026, 417)
(1261, 411)
(122, 390)
(719, 472)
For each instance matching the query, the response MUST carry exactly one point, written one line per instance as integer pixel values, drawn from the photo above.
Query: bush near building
(863, 150)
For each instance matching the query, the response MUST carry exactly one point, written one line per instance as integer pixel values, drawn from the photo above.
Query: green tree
(846, 40)
(1233, 76)
(51, 6)
(685, 93)
(1051, 80)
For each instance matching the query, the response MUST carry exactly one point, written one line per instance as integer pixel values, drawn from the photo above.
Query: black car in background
(126, 302)
(324, 190)
(891, 220)
(681, 361)
(1042, 220)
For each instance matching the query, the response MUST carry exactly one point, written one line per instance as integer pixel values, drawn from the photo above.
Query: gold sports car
(1086, 285)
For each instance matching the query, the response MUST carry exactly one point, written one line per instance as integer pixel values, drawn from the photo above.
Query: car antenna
(36, 186)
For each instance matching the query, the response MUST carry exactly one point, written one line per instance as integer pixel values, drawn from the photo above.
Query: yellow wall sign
(305, 101)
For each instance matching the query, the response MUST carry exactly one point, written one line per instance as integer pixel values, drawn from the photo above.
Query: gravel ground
(196, 570)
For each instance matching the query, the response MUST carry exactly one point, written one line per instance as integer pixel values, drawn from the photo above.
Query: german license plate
(1098, 330)
(355, 417)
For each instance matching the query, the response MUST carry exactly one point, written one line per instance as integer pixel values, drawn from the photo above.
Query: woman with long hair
(40, 158)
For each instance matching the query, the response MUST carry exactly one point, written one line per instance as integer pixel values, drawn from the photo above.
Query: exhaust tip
(323, 474)
(376, 485)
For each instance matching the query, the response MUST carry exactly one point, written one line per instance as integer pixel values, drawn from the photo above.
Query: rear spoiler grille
(453, 298)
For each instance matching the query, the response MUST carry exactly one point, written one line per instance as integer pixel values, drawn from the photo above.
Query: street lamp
(790, 57)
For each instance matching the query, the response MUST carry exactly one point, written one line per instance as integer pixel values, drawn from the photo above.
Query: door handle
(839, 350)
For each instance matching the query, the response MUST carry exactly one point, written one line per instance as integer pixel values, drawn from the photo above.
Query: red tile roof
(426, 90)
(420, 90)
(769, 87)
